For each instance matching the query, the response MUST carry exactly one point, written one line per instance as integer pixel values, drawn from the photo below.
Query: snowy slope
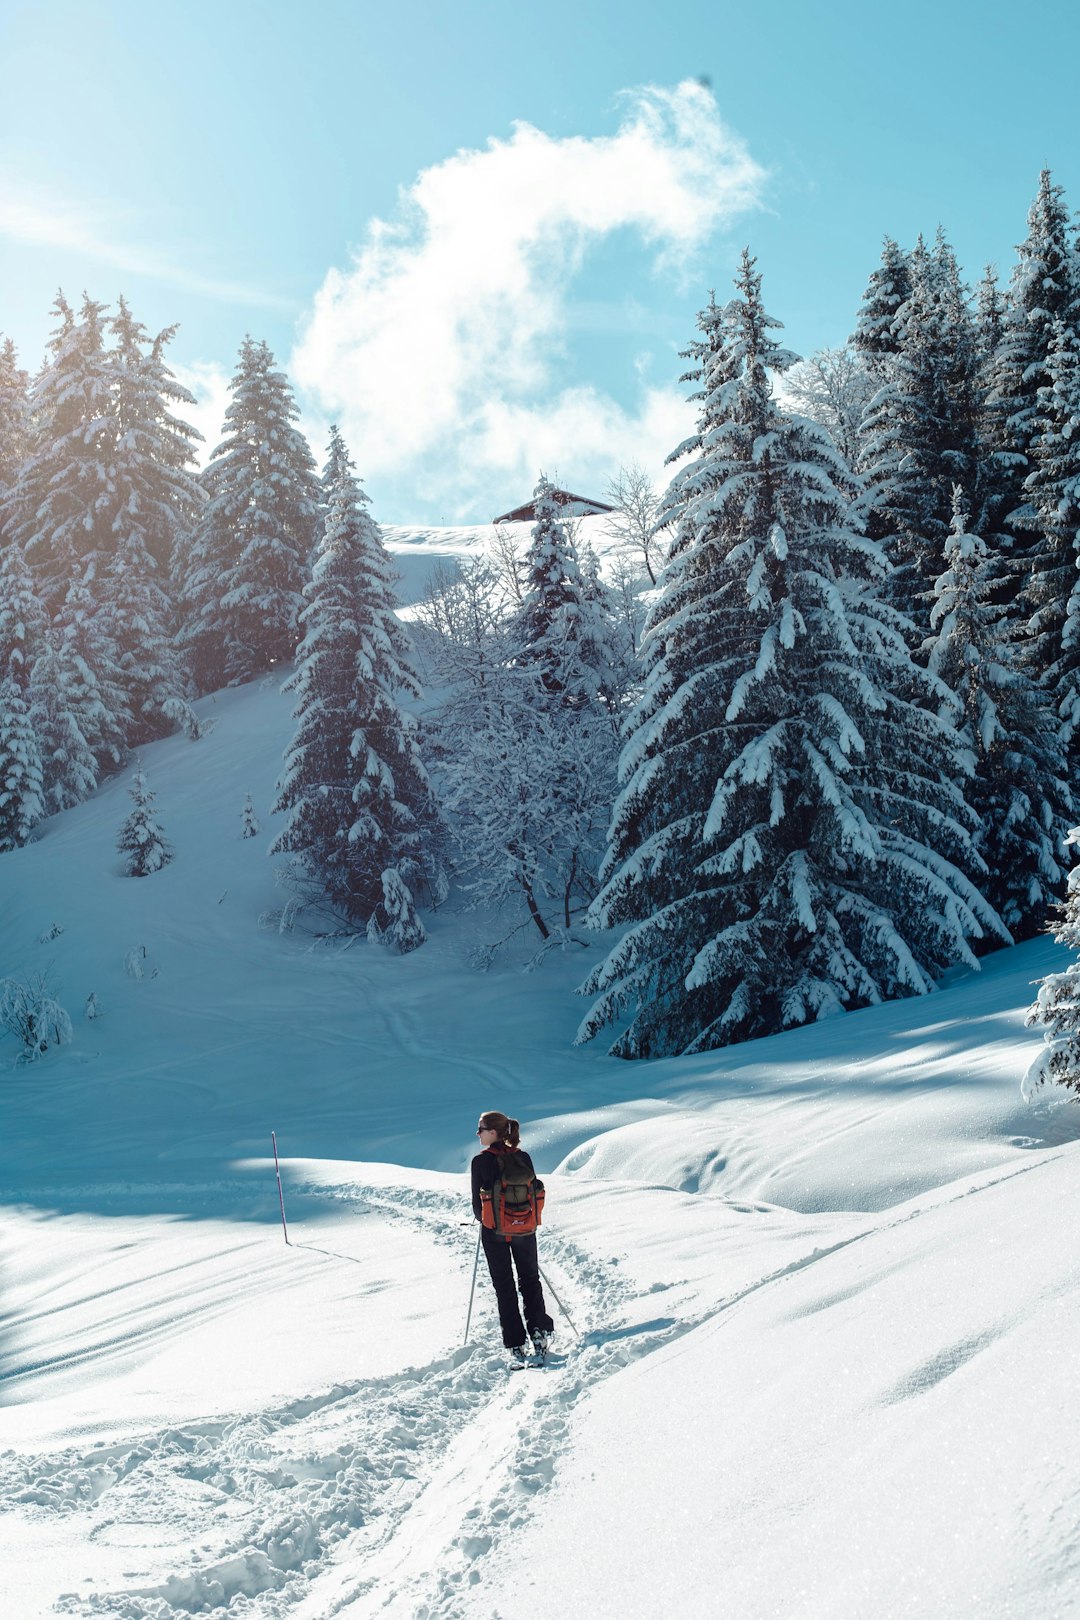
(825, 1282)
(417, 552)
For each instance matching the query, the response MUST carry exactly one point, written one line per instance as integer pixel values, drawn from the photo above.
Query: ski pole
(472, 1290)
(281, 1200)
(558, 1301)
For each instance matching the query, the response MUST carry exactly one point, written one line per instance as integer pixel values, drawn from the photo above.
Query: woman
(499, 1136)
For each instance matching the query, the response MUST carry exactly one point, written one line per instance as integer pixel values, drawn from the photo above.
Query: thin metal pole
(281, 1200)
(555, 1297)
(472, 1290)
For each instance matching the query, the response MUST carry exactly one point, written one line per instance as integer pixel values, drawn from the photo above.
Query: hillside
(824, 1282)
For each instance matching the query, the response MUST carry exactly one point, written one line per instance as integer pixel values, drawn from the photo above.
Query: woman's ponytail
(508, 1130)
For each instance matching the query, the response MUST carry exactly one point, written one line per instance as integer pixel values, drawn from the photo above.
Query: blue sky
(519, 306)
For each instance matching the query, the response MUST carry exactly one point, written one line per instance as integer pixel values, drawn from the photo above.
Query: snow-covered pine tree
(22, 628)
(152, 498)
(609, 641)
(877, 327)
(995, 481)
(336, 467)
(249, 556)
(1042, 290)
(158, 446)
(356, 793)
(59, 509)
(528, 744)
(21, 801)
(14, 416)
(1052, 514)
(249, 821)
(563, 631)
(141, 839)
(1056, 1009)
(989, 320)
(394, 922)
(1020, 789)
(69, 768)
(790, 840)
(919, 434)
(22, 616)
(91, 674)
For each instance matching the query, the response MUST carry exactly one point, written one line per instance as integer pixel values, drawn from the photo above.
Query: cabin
(572, 505)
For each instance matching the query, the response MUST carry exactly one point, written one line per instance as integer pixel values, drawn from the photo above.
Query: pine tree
(69, 768)
(919, 435)
(22, 628)
(528, 760)
(22, 617)
(141, 839)
(93, 678)
(878, 325)
(563, 633)
(994, 480)
(1043, 290)
(21, 802)
(394, 922)
(151, 498)
(1052, 514)
(1020, 790)
(1056, 1008)
(790, 839)
(989, 319)
(155, 446)
(356, 793)
(249, 556)
(14, 416)
(60, 510)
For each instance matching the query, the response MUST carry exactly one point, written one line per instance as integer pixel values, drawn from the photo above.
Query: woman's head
(497, 1130)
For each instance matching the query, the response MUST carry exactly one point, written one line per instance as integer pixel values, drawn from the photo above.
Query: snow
(824, 1282)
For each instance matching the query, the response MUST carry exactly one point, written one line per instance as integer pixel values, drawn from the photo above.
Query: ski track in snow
(271, 1501)
(283, 1506)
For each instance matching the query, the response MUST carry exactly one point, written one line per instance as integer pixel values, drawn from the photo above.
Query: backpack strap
(496, 1199)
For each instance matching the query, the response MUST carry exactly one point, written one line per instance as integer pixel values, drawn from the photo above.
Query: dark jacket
(485, 1173)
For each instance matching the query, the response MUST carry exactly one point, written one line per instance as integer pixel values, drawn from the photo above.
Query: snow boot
(541, 1338)
(518, 1356)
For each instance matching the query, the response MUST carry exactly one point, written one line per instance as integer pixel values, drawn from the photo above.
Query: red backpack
(516, 1200)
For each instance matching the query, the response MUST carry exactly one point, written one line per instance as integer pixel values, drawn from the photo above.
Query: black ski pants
(502, 1257)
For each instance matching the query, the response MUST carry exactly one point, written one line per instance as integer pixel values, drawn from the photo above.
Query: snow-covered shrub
(249, 827)
(394, 921)
(29, 1011)
(141, 839)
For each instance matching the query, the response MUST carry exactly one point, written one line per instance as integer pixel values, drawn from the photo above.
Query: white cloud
(209, 382)
(434, 349)
(44, 218)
